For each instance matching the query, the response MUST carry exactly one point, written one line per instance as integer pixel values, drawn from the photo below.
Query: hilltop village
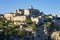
(29, 24)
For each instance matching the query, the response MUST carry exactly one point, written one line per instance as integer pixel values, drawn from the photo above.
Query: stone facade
(19, 19)
(21, 14)
(34, 14)
(8, 16)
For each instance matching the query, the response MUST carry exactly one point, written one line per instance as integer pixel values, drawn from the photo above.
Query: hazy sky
(47, 6)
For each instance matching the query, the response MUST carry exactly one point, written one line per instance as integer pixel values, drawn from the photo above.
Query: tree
(33, 25)
(20, 33)
(28, 21)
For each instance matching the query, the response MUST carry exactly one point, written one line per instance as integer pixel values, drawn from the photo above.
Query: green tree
(20, 33)
(28, 21)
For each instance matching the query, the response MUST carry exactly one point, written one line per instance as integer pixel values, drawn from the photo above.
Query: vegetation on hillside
(8, 28)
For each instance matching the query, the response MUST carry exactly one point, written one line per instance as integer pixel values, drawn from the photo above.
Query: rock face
(40, 35)
(56, 35)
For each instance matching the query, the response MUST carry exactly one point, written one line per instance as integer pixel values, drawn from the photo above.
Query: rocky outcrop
(56, 35)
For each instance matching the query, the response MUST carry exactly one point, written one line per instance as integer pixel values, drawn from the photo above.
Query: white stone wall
(26, 12)
(8, 16)
(35, 20)
(19, 19)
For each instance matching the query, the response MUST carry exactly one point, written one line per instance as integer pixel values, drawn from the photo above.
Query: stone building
(19, 15)
(8, 16)
(19, 19)
(19, 12)
(31, 12)
(1, 15)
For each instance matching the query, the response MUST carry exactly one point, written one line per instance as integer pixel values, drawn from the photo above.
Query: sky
(46, 6)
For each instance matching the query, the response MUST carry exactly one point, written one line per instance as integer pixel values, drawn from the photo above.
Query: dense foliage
(8, 28)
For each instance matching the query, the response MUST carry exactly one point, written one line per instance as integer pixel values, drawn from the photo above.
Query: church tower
(30, 7)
